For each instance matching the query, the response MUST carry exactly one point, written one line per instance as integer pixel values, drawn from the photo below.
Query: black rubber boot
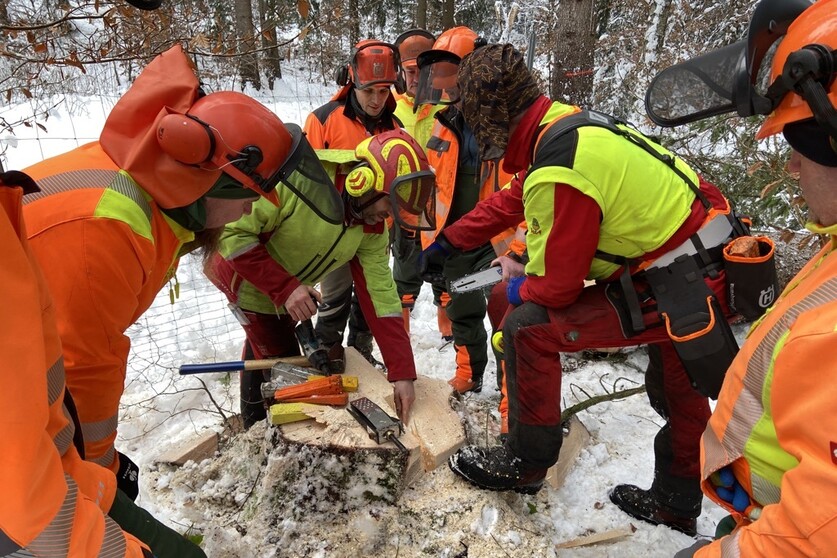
(642, 505)
(496, 469)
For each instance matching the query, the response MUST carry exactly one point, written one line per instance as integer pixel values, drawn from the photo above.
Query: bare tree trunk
(246, 35)
(4, 12)
(272, 57)
(354, 22)
(447, 14)
(421, 14)
(575, 42)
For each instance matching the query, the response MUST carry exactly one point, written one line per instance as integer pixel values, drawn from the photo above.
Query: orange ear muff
(360, 180)
(186, 139)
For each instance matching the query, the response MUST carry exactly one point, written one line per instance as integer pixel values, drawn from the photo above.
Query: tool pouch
(695, 323)
(751, 275)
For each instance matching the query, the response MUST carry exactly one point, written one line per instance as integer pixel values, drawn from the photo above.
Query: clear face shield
(304, 175)
(413, 198)
(437, 78)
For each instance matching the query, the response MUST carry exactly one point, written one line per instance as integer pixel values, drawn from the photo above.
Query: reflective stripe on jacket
(443, 156)
(775, 424)
(636, 219)
(106, 250)
(43, 511)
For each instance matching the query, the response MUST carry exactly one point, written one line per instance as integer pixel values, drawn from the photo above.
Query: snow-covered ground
(236, 500)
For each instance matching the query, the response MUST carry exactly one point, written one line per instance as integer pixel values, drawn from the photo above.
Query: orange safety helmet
(807, 53)
(439, 65)
(411, 43)
(232, 133)
(393, 163)
(373, 63)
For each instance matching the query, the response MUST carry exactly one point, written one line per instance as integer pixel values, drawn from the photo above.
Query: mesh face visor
(413, 201)
(699, 88)
(304, 175)
(437, 78)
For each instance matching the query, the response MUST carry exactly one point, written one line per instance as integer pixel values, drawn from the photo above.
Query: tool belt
(691, 313)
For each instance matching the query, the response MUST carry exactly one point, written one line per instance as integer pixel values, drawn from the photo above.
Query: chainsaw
(478, 280)
(378, 424)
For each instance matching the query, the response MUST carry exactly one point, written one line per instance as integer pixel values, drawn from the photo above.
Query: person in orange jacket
(114, 216)
(364, 106)
(54, 503)
(462, 180)
(769, 452)
(418, 120)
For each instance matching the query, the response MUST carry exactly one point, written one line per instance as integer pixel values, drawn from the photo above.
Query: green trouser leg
(163, 541)
(466, 311)
(405, 255)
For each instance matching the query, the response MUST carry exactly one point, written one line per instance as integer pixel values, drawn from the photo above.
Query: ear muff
(248, 159)
(341, 75)
(360, 180)
(400, 83)
(186, 139)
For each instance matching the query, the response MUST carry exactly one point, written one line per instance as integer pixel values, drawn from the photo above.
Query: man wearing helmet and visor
(364, 106)
(261, 269)
(769, 455)
(113, 217)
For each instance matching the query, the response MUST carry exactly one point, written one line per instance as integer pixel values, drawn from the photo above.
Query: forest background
(597, 53)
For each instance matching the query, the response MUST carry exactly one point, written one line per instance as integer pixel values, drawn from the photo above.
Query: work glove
(431, 261)
(513, 290)
(690, 552)
(163, 541)
(127, 477)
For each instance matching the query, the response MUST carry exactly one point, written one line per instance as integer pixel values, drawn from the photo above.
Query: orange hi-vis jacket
(443, 156)
(52, 502)
(775, 425)
(336, 125)
(106, 250)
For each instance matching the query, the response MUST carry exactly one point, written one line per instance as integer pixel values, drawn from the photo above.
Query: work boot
(461, 386)
(496, 469)
(642, 505)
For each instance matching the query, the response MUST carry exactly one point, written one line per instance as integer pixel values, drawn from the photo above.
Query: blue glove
(513, 290)
(431, 261)
(730, 490)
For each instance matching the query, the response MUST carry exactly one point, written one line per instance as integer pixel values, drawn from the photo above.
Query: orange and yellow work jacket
(106, 250)
(336, 124)
(418, 124)
(443, 156)
(53, 502)
(775, 425)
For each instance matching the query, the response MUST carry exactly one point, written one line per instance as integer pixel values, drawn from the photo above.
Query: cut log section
(432, 435)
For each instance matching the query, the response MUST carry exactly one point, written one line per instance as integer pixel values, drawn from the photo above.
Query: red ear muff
(186, 139)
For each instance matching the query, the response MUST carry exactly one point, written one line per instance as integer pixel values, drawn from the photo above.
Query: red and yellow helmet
(393, 164)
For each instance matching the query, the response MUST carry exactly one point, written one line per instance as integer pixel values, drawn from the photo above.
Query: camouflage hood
(495, 86)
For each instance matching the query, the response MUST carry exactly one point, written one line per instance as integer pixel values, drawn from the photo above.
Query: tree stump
(334, 451)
